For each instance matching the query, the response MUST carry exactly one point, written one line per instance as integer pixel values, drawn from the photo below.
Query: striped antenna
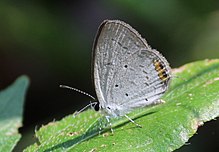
(77, 90)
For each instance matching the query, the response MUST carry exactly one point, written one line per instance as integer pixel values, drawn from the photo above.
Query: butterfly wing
(127, 72)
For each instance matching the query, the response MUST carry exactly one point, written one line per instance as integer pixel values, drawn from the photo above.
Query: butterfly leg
(159, 101)
(100, 126)
(91, 104)
(133, 121)
(108, 120)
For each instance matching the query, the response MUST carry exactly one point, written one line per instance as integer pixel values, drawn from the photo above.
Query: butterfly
(127, 72)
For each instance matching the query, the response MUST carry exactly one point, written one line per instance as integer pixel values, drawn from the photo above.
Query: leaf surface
(192, 99)
(11, 110)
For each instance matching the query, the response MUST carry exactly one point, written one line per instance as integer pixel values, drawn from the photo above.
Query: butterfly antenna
(77, 90)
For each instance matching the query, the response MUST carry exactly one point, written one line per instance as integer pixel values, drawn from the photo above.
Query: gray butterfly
(127, 72)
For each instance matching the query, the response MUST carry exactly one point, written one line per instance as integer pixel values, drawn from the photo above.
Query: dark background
(51, 42)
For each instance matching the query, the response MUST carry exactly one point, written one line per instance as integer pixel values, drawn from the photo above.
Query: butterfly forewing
(127, 72)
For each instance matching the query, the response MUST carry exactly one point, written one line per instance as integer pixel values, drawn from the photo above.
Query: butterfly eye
(126, 66)
(97, 107)
(116, 85)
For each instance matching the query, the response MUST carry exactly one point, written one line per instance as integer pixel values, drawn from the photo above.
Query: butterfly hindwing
(127, 72)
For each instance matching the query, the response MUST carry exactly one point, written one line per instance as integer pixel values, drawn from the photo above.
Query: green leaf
(11, 110)
(193, 98)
